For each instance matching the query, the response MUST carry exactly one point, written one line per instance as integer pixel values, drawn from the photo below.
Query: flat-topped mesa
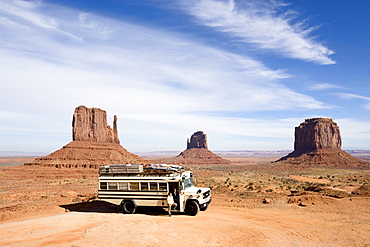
(197, 140)
(90, 124)
(317, 133)
(318, 144)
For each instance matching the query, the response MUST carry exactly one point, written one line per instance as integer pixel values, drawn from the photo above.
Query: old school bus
(132, 186)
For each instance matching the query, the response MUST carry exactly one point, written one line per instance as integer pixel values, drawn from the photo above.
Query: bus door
(175, 190)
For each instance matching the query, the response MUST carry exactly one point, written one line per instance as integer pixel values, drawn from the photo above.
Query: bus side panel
(155, 199)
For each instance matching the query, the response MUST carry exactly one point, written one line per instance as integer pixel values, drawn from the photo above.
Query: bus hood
(198, 192)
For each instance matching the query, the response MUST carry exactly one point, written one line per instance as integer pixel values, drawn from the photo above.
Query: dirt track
(218, 226)
(56, 207)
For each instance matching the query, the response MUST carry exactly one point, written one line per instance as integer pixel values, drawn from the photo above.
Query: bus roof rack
(147, 169)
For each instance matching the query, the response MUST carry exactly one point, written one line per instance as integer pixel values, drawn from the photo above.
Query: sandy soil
(218, 226)
(251, 207)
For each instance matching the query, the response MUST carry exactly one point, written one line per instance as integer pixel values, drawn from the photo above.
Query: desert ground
(255, 203)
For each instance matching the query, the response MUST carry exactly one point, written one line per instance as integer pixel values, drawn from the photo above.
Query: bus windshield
(187, 182)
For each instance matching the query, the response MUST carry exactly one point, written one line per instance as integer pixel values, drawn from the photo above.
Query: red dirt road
(218, 226)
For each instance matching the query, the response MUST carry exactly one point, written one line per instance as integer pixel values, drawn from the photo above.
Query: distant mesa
(196, 152)
(197, 140)
(94, 143)
(318, 143)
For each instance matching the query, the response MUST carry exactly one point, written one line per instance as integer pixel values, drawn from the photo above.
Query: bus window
(153, 186)
(103, 185)
(123, 186)
(134, 186)
(162, 186)
(144, 186)
(187, 182)
(112, 186)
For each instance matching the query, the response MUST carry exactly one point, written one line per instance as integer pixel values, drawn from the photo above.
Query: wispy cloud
(351, 96)
(322, 86)
(354, 96)
(54, 59)
(260, 24)
(27, 13)
(354, 136)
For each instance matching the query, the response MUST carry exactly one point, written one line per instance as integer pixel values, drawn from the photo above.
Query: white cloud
(354, 96)
(258, 23)
(27, 13)
(153, 80)
(355, 133)
(322, 86)
(350, 96)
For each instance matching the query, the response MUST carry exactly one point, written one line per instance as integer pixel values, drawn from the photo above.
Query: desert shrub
(289, 181)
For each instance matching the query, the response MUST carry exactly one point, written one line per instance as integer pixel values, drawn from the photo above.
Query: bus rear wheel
(128, 207)
(192, 208)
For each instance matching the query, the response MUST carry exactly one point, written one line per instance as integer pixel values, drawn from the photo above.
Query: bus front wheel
(192, 208)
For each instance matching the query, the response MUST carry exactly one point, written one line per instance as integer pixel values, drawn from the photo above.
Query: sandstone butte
(196, 152)
(318, 143)
(94, 144)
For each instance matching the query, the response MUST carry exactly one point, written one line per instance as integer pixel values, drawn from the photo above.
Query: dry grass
(24, 190)
(246, 181)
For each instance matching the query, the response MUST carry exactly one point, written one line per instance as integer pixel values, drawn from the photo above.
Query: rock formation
(199, 156)
(90, 124)
(317, 133)
(94, 144)
(197, 140)
(318, 143)
(196, 152)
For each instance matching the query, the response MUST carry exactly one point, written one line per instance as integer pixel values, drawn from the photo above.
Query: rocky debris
(266, 200)
(318, 143)
(94, 144)
(90, 124)
(197, 140)
(363, 190)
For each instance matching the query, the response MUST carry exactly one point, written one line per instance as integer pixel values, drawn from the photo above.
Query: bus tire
(128, 206)
(191, 208)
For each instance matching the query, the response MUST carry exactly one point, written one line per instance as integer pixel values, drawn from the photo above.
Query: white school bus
(132, 186)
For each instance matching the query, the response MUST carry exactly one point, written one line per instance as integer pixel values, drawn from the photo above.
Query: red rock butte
(197, 140)
(196, 152)
(318, 143)
(94, 144)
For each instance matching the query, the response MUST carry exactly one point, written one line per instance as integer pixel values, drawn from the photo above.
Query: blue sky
(244, 72)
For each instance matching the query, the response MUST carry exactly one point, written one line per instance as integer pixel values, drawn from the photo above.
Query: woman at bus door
(170, 202)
